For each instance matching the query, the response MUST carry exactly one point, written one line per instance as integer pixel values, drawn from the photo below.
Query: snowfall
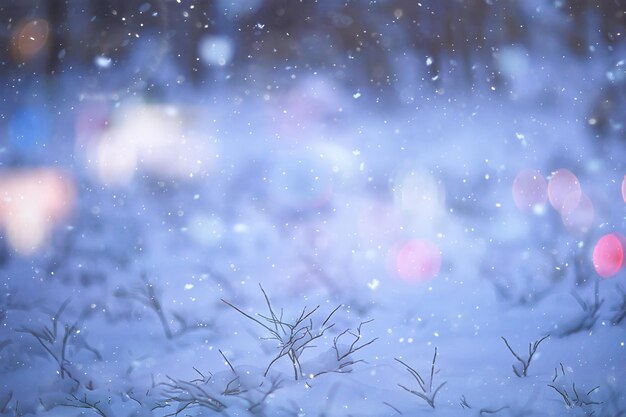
(293, 247)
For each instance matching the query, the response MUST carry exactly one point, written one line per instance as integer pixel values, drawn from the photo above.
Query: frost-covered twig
(353, 346)
(231, 388)
(525, 363)
(426, 391)
(294, 336)
(205, 392)
(344, 355)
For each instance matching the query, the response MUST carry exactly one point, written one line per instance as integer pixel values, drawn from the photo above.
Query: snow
(154, 232)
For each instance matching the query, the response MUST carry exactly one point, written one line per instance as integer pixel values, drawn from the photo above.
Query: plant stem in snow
(525, 363)
(425, 390)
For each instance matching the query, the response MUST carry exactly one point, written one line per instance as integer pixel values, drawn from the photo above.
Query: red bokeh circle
(608, 255)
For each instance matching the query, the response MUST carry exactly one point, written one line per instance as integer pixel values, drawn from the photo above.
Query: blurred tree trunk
(613, 19)
(577, 35)
(57, 15)
(360, 40)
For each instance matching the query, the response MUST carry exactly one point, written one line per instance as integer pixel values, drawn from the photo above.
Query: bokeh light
(158, 140)
(117, 160)
(29, 39)
(578, 213)
(608, 255)
(529, 190)
(420, 195)
(435, 175)
(216, 50)
(564, 186)
(415, 260)
(32, 203)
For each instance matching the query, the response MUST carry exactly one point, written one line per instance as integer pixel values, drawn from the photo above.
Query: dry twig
(525, 363)
(426, 391)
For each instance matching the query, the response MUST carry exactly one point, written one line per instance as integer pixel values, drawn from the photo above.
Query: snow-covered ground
(139, 236)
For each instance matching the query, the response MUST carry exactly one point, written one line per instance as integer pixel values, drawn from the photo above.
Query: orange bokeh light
(29, 39)
(529, 189)
(32, 202)
(608, 255)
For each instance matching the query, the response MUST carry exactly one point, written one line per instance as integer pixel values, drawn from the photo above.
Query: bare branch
(84, 403)
(488, 411)
(392, 407)
(464, 403)
(298, 335)
(251, 318)
(525, 363)
(227, 362)
(427, 394)
(575, 399)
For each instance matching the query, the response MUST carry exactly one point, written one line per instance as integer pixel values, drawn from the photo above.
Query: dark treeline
(359, 42)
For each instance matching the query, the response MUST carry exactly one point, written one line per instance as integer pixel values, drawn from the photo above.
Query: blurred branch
(147, 295)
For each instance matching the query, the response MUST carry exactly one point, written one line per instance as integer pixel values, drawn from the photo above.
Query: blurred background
(345, 142)
(455, 169)
(150, 45)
